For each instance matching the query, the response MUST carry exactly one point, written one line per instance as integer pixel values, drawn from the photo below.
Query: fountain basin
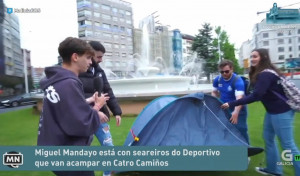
(150, 84)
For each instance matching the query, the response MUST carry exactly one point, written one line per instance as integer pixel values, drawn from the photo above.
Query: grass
(20, 128)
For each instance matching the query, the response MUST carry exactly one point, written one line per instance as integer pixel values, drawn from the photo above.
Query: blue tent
(194, 119)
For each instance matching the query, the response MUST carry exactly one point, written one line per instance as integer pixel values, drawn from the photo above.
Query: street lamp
(219, 48)
(25, 69)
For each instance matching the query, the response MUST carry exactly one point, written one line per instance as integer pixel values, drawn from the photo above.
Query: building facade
(37, 75)
(13, 58)
(187, 54)
(282, 41)
(159, 46)
(109, 22)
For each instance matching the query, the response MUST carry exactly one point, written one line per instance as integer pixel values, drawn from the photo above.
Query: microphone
(98, 84)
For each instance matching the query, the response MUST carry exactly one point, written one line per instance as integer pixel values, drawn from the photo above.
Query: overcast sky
(42, 32)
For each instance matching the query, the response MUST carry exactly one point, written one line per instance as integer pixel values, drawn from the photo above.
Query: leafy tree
(227, 49)
(202, 45)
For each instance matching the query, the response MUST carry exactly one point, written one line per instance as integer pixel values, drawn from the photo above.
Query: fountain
(148, 77)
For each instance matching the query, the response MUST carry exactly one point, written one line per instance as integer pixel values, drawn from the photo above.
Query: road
(5, 109)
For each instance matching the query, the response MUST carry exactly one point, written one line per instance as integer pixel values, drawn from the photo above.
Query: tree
(202, 45)
(227, 49)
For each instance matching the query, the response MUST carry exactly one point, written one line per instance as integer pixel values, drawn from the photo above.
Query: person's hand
(118, 119)
(225, 106)
(101, 101)
(234, 118)
(103, 118)
(91, 99)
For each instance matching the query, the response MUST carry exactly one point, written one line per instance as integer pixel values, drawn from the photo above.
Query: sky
(42, 32)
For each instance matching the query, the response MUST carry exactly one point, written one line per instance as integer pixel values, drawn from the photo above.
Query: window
(105, 7)
(97, 34)
(122, 28)
(265, 35)
(280, 34)
(85, 22)
(123, 46)
(106, 26)
(130, 47)
(122, 20)
(6, 31)
(108, 63)
(84, 13)
(107, 17)
(81, 33)
(117, 37)
(123, 54)
(97, 24)
(290, 40)
(88, 33)
(290, 32)
(96, 14)
(280, 49)
(298, 31)
(290, 48)
(121, 11)
(128, 21)
(116, 46)
(281, 57)
(107, 45)
(115, 19)
(83, 4)
(299, 47)
(129, 31)
(115, 28)
(107, 35)
(265, 43)
(108, 54)
(280, 41)
(115, 10)
(128, 13)
(81, 13)
(96, 5)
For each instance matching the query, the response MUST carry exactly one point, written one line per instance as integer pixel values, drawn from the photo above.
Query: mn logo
(9, 10)
(13, 159)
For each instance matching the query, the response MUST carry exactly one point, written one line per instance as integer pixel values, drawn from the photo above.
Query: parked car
(18, 100)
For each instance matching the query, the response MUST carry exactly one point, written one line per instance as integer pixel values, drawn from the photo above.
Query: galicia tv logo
(13, 159)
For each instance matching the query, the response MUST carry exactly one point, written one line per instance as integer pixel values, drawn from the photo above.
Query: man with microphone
(95, 80)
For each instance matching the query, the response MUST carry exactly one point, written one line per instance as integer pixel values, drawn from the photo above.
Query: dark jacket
(66, 118)
(266, 83)
(89, 89)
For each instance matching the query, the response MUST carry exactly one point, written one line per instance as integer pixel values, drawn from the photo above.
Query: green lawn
(20, 128)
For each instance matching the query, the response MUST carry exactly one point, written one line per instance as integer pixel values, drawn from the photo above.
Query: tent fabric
(194, 119)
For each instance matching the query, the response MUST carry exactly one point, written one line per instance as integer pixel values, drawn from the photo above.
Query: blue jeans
(242, 123)
(104, 137)
(280, 125)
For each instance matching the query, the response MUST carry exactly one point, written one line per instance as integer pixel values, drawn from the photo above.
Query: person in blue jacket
(279, 116)
(66, 117)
